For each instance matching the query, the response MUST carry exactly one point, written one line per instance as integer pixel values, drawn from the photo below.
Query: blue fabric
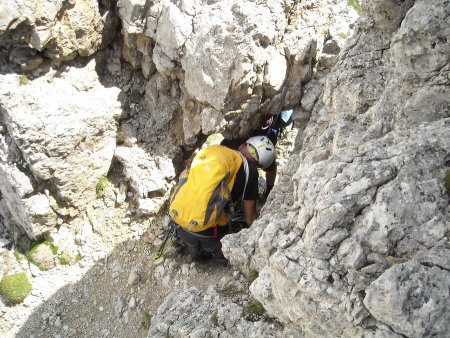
(286, 116)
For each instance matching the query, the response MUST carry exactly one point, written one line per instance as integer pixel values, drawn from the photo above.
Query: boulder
(56, 147)
(60, 30)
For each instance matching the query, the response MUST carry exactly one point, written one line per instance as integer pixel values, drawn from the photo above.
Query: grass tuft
(356, 6)
(63, 260)
(19, 256)
(23, 80)
(146, 320)
(253, 311)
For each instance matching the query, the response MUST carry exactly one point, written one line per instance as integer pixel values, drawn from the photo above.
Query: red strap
(216, 233)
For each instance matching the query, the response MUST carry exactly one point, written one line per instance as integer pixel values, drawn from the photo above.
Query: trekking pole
(172, 226)
(170, 233)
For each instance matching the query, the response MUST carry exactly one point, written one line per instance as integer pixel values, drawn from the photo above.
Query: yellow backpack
(203, 195)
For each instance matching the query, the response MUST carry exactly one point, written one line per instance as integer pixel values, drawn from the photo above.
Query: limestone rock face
(60, 29)
(198, 76)
(411, 298)
(234, 60)
(359, 246)
(151, 177)
(54, 147)
(353, 240)
(202, 314)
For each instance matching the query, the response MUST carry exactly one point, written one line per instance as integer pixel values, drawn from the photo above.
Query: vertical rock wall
(226, 63)
(354, 239)
(55, 146)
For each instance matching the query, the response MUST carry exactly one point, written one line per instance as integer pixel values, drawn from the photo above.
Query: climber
(272, 128)
(219, 180)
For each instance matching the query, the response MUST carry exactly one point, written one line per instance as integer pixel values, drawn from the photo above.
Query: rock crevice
(353, 240)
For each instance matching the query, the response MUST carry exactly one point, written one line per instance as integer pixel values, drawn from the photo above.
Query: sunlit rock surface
(338, 242)
(58, 140)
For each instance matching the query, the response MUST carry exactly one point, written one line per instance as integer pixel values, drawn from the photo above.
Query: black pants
(203, 240)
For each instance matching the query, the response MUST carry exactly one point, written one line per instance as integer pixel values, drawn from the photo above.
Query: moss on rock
(15, 288)
(253, 311)
(252, 275)
(41, 255)
(447, 181)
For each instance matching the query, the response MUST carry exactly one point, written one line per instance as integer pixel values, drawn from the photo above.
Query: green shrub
(100, 187)
(15, 288)
(78, 257)
(38, 244)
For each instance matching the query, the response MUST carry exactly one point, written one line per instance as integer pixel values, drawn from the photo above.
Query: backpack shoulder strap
(230, 213)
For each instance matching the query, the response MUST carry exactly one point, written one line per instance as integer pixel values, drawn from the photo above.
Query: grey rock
(150, 177)
(69, 256)
(133, 278)
(120, 306)
(227, 64)
(58, 30)
(59, 153)
(355, 233)
(364, 189)
(4, 242)
(412, 299)
(43, 256)
(194, 313)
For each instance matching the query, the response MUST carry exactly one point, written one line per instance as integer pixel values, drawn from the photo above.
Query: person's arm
(251, 192)
(250, 213)
(270, 180)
